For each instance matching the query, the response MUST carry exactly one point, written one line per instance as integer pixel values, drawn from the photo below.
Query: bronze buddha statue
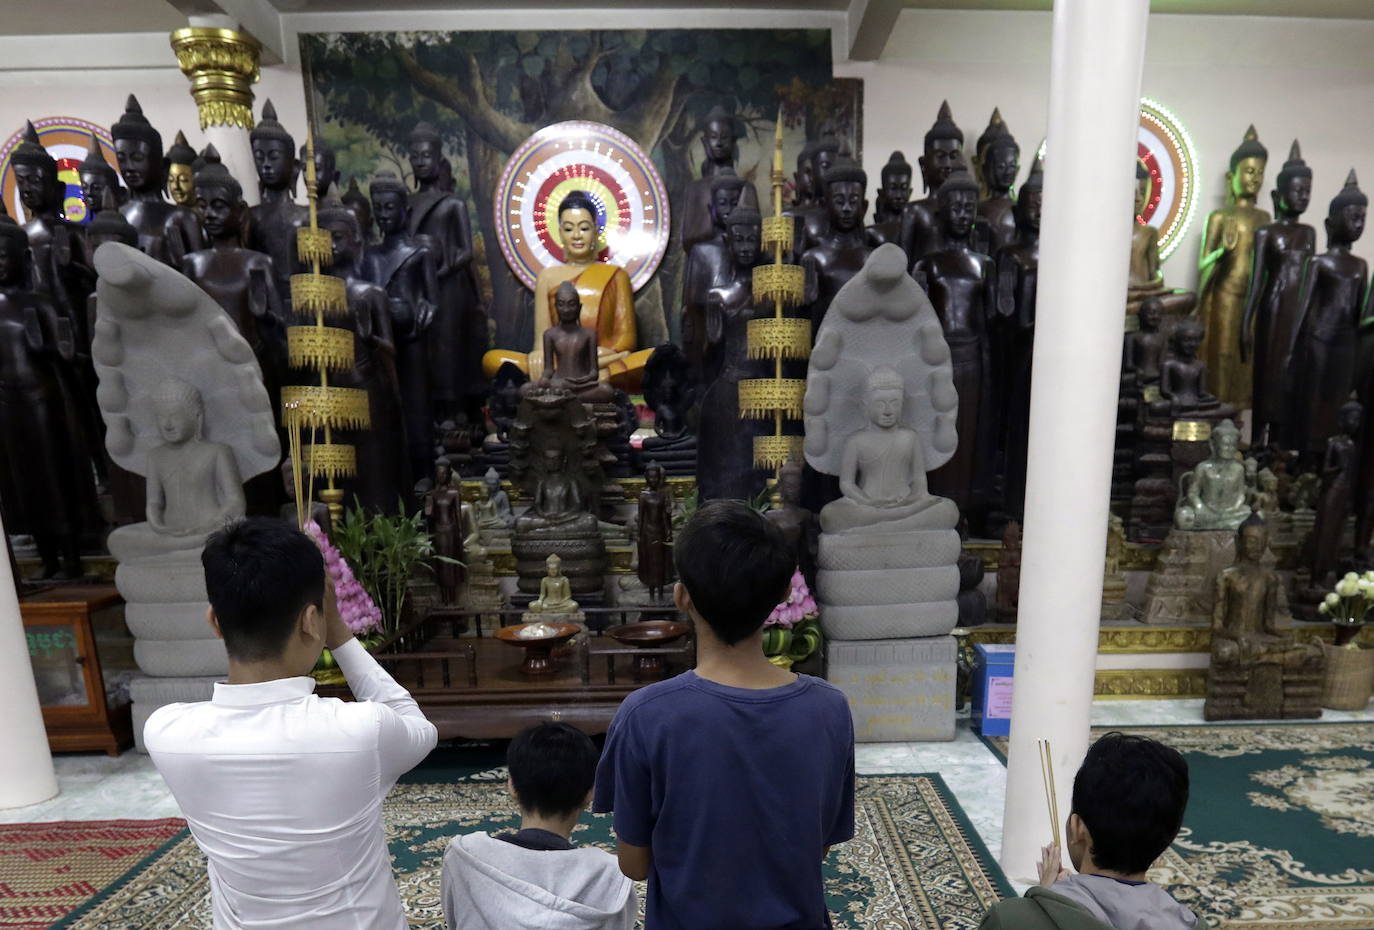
(706, 263)
(838, 253)
(812, 216)
(98, 176)
(1339, 470)
(166, 231)
(570, 352)
(894, 193)
(942, 149)
(1228, 246)
(277, 216)
(1269, 327)
(720, 149)
(1323, 363)
(1018, 274)
(996, 162)
(357, 201)
(1146, 279)
(180, 159)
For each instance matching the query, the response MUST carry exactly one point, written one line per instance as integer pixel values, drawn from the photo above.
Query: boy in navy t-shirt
(730, 783)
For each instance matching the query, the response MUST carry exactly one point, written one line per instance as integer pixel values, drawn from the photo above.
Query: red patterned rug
(47, 870)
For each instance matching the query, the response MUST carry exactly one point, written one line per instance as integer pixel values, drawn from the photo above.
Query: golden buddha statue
(555, 593)
(1146, 280)
(608, 304)
(1228, 246)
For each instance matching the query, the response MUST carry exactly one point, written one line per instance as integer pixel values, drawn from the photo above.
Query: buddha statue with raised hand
(894, 193)
(1228, 251)
(166, 231)
(707, 261)
(1270, 324)
(942, 149)
(1323, 365)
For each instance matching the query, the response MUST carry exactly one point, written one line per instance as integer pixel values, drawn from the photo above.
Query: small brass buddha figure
(443, 512)
(555, 593)
(894, 193)
(655, 542)
(1214, 495)
(494, 515)
(1228, 251)
(1324, 360)
(943, 148)
(180, 158)
(1269, 327)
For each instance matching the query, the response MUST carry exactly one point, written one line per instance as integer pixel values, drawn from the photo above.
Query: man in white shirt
(282, 789)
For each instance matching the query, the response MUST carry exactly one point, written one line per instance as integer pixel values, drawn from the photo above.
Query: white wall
(1309, 78)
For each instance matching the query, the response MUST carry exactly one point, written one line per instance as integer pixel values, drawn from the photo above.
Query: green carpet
(1280, 825)
(915, 861)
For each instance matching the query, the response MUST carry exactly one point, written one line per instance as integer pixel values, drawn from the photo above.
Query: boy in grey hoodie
(535, 879)
(1128, 802)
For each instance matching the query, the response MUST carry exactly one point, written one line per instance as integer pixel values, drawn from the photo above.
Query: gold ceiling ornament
(313, 292)
(319, 347)
(777, 337)
(331, 460)
(771, 338)
(222, 66)
(314, 245)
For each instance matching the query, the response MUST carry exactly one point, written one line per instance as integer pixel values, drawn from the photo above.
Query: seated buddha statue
(1146, 279)
(570, 352)
(555, 593)
(1258, 669)
(558, 501)
(883, 473)
(605, 294)
(1214, 495)
(1183, 379)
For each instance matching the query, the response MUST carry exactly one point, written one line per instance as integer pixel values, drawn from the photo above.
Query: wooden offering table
(470, 684)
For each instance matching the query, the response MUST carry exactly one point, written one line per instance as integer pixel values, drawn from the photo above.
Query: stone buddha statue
(558, 497)
(570, 352)
(1269, 327)
(404, 266)
(725, 444)
(166, 231)
(961, 286)
(241, 280)
(194, 486)
(880, 411)
(894, 193)
(1018, 274)
(883, 471)
(493, 511)
(720, 148)
(42, 483)
(1258, 670)
(555, 594)
(382, 477)
(459, 335)
(1214, 495)
(1323, 365)
(842, 249)
(1228, 251)
(996, 162)
(1339, 472)
(277, 216)
(357, 201)
(706, 264)
(943, 147)
(180, 158)
(604, 291)
(1146, 279)
(98, 176)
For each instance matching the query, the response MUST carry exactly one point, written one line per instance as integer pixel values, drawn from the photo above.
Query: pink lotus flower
(799, 606)
(355, 606)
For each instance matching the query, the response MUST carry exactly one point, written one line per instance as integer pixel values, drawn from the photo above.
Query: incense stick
(1051, 800)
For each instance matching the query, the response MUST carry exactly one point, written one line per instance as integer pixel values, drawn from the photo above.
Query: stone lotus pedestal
(898, 689)
(1181, 588)
(577, 543)
(165, 608)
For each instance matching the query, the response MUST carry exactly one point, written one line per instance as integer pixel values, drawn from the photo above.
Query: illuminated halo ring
(1164, 147)
(67, 139)
(632, 203)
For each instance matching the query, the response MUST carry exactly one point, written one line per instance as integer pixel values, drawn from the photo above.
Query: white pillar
(231, 141)
(1085, 239)
(26, 773)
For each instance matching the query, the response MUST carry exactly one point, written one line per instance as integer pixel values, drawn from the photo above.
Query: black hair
(1130, 793)
(552, 767)
(578, 200)
(736, 566)
(260, 573)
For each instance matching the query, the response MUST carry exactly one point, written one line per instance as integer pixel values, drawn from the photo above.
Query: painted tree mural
(487, 92)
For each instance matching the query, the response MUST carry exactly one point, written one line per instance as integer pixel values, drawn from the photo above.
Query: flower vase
(1349, 676)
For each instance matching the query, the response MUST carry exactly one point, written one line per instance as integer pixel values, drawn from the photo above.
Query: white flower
(1332, 600)
(1322, 608)
(1369, 575)
(1348, 586)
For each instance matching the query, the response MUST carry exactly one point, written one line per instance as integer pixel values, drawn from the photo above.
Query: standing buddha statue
(996, 162)
(1228, 246)
(180, 158)
(277, 216)
(812, 217)
(841, 251)
(720, 149)
(942, 149)
(894, 193)
(98, 176)
(1270, 324)
(166, 231)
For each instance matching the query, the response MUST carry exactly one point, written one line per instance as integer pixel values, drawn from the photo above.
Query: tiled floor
(95, 787)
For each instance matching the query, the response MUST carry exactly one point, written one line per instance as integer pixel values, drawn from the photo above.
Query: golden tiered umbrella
(777, 337)
(323, 407)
